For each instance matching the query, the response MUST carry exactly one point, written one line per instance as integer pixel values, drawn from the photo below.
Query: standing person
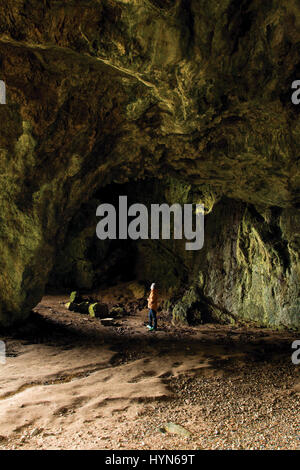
(152, 305)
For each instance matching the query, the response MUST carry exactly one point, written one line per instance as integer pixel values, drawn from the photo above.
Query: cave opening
(246, 257)
(85, 264)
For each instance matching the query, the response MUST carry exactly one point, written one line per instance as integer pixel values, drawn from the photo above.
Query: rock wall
(247, 271)
(250, 265)
(114, 91)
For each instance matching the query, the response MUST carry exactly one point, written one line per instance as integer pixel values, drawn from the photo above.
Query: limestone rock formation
(116, 91)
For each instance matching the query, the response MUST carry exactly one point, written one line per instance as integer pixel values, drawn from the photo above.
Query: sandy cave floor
(72, 383)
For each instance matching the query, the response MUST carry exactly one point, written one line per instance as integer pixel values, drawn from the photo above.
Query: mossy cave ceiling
(112, 92)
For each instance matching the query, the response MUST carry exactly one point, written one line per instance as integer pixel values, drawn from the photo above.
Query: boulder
(137, 290)
(83, 307)
(70, 306)
(176, 429)
(75, 297)
(117, 312)
(188, 308)
(98, 310)
(107, 321)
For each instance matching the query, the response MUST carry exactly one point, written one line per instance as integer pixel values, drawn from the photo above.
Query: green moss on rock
(98, 310)
(188, 309)
(117, 312)
(75, 297)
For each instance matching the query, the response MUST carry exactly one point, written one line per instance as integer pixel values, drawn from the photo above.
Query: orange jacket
(152, 299)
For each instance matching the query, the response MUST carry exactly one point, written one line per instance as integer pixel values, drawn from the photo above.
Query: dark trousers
(152, 318)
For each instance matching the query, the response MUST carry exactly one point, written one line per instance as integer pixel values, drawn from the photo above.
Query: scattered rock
(117, 312)
(35, 432)
(107, 321)
(83, 307)
(98, 310)
(176, 429)
(75, 297)
(162, 430)
(137, 290)
(70, 306)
